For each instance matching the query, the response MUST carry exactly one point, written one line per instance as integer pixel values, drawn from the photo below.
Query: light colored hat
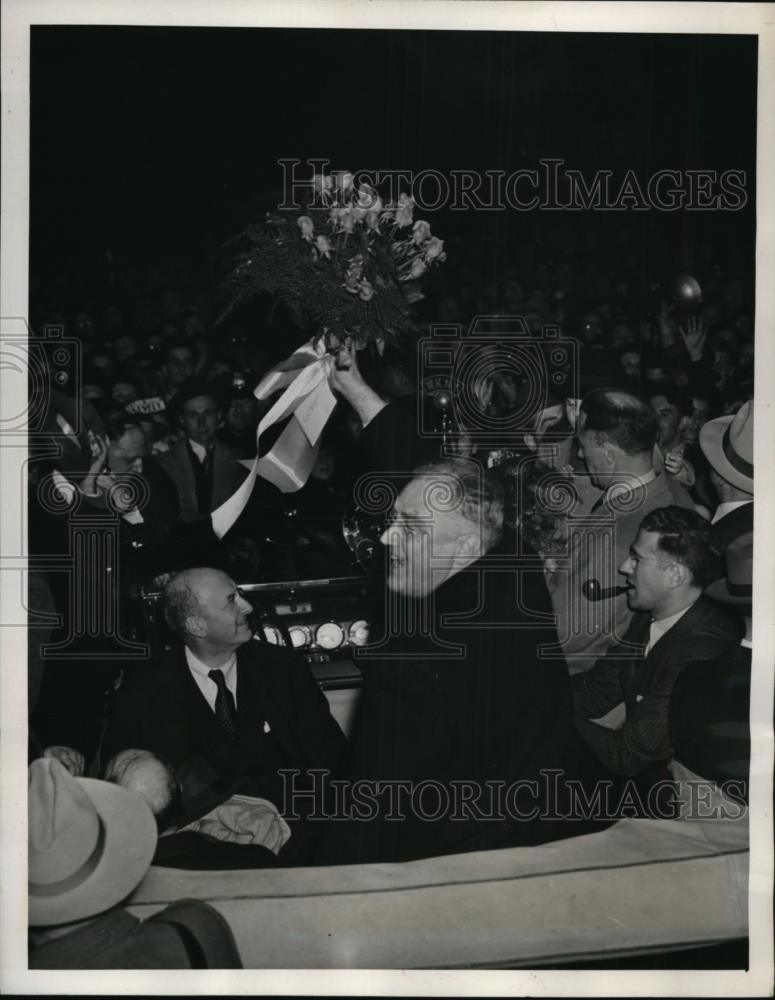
(89, 844)
(727, 443)
(737, 586)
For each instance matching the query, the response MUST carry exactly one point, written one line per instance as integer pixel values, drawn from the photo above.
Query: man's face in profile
(422, 541)
(225, 611)
(592, 450)
(645, 572)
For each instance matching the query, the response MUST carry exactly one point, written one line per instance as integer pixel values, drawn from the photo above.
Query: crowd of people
(603, 636)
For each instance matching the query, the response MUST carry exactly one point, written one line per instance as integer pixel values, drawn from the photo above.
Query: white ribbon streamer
(309, 401)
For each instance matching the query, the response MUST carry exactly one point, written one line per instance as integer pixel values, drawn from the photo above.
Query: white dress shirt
(198, 449)
(658, 629)
(200, 671)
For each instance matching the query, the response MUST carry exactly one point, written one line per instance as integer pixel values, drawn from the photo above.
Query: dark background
(153, 142)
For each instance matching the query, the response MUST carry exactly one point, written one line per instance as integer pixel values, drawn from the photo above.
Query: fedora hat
(89, 844)
(727, 443)
(736, 587)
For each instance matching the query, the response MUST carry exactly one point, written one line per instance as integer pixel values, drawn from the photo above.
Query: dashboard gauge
(300, 636)
(359, 633)
(330, 635)
(272, 634)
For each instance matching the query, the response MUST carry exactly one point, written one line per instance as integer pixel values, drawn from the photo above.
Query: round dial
(359, 633)
(300, 636)
(330, 635)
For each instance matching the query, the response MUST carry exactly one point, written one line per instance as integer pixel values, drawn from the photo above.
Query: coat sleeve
(598, 690)
(642, 740)
(305, 708)
(645, 736)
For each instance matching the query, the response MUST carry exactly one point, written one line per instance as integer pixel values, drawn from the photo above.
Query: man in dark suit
(710, 707)
(205, 470)
(463, 707)
(221, 707)
(674, 625)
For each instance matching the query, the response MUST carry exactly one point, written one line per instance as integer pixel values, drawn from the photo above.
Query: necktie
(225, 709)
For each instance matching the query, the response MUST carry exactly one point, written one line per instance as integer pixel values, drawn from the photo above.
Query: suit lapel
(184, 476)
(219, 476)
(250, 703)
(195, 703)
(673, 646)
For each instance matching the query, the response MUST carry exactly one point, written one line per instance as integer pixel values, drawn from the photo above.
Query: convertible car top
(639, 888)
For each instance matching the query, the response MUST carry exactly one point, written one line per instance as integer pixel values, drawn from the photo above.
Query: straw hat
(89, 844)
(727, 443)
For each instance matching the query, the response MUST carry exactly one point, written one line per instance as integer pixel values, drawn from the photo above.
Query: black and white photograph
(385, 607)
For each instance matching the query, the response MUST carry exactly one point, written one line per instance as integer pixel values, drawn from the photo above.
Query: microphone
(592, 590)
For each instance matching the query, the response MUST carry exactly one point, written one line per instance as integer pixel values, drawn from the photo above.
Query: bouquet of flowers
(348, 265)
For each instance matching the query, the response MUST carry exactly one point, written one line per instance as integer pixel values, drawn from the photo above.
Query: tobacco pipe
(592, 590)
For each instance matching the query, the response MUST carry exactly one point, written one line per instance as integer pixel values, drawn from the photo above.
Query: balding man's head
(204, 607)
(626, 421)
(616, 432)
(151, 778)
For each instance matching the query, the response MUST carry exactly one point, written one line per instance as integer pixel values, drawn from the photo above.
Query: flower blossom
(307, 227)
(321, 185)
(323, 246)
(418, 268)
(372, 220)
(405, 210)
(369, 199)
(434, 249)
(347, 219)
(421, 231)
(344, 180)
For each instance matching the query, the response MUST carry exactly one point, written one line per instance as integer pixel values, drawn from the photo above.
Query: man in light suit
(205, 470)
(227, 712)
(616, 433)
(668, 565)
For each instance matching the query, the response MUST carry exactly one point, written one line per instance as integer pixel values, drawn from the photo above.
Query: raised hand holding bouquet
(351, 269)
